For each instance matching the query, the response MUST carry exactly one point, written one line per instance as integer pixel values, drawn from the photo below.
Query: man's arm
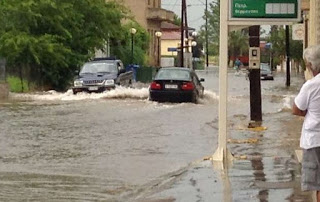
(297, 111)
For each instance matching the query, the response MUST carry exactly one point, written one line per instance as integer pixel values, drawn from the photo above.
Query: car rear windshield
(265, 67)
(100, 67)
(172, 74)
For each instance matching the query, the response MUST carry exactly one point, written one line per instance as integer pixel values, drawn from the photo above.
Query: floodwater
(117, 145)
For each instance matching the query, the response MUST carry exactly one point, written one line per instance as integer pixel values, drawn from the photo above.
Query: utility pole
(207, 40)
(183, 9)
(288, 56)
(254, 75)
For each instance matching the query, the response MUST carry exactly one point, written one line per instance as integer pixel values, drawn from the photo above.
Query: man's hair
(312, 55)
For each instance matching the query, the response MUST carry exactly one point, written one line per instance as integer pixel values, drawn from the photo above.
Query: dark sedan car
(265, 72)
(176, 84)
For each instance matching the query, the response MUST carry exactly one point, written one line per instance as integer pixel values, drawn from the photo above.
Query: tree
(238, 40)
(213, 16)
(121, 46)
(176, 20)
(51, 38)
(238, 43)
(277, 38)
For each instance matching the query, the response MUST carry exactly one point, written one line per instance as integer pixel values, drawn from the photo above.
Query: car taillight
(155, 86)
(187, 86)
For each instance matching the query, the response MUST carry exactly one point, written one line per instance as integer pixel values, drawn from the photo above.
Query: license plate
(171, 86)
(93, 88)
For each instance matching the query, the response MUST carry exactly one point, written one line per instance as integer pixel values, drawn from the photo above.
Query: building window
(159, 3)
(149, 2)
(154, 3)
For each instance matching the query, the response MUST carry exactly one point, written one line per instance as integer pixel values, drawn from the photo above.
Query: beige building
(311, 18)
(150, 15)
(171, 39)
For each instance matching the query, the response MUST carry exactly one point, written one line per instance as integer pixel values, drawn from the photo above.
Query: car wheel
(195, 98)
(202, 94)
(74, 92)
(130, 84)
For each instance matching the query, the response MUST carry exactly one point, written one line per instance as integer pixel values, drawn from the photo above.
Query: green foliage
(213, 27)
(16, 86)
(238, 43)
(177, 20)
(122, 46)
(238, 40)
(278, 40)
(53, 38)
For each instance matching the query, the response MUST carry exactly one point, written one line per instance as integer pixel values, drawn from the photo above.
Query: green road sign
(264, 9)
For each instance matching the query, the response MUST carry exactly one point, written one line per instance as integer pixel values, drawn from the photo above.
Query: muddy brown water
(115, 145)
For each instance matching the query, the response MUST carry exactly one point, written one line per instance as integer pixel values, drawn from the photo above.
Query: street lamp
(133, 31)
(158, 35)
(193, 45)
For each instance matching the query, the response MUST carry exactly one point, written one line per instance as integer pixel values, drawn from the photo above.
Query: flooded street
(114, 146)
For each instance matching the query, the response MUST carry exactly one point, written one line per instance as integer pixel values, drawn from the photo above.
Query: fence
(145, 74)
(2, 70)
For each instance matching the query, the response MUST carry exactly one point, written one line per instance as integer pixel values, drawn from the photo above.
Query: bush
(15, 84)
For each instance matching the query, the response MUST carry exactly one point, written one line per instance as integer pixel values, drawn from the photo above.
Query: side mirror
(202, 80)
(121, 71)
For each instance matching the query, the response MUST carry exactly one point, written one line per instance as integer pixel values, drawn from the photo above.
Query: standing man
(238, 63)
(307, 104)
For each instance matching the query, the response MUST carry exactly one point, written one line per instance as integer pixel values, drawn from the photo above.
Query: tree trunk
(21, 78)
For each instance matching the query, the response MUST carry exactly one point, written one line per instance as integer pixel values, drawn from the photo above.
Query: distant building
(171, 38)
(150, 15)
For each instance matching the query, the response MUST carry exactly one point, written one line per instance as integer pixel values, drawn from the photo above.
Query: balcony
(159, 14)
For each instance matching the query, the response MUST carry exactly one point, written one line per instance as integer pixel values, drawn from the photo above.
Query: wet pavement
(118, 146)
(262, 170)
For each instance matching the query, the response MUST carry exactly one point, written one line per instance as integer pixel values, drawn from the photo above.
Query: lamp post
(133, 31)
(158, 35)
(193, 44)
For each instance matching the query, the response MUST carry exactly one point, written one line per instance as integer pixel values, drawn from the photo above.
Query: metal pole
(207, 40)
(158, 51)
(288, 56)
(131, 48)
(255, 81)
(222, 154)
(182, 34)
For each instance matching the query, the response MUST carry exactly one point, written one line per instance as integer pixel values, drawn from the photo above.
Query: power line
(174, 4)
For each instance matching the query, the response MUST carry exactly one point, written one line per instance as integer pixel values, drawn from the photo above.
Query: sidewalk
(265, 167)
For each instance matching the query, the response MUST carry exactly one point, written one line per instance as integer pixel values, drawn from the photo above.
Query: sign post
(245, 13)
(266, 9)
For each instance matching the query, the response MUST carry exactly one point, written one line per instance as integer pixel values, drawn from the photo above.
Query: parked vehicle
(102, 74)
(176, 84)
(265, 72)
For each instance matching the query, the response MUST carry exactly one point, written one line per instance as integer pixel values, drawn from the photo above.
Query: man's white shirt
(309, 99)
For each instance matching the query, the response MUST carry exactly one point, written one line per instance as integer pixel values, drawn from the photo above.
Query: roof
(171, 35)
(169, 26)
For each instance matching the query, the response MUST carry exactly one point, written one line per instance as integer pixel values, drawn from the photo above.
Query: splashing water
(118, 93)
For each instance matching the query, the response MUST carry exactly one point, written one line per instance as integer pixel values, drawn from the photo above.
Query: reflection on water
(117, 145)
(259, 175)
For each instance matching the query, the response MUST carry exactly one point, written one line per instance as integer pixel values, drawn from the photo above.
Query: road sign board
(172, 49)
(257, 9)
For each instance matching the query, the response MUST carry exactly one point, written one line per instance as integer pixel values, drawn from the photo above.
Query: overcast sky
(195, 10)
